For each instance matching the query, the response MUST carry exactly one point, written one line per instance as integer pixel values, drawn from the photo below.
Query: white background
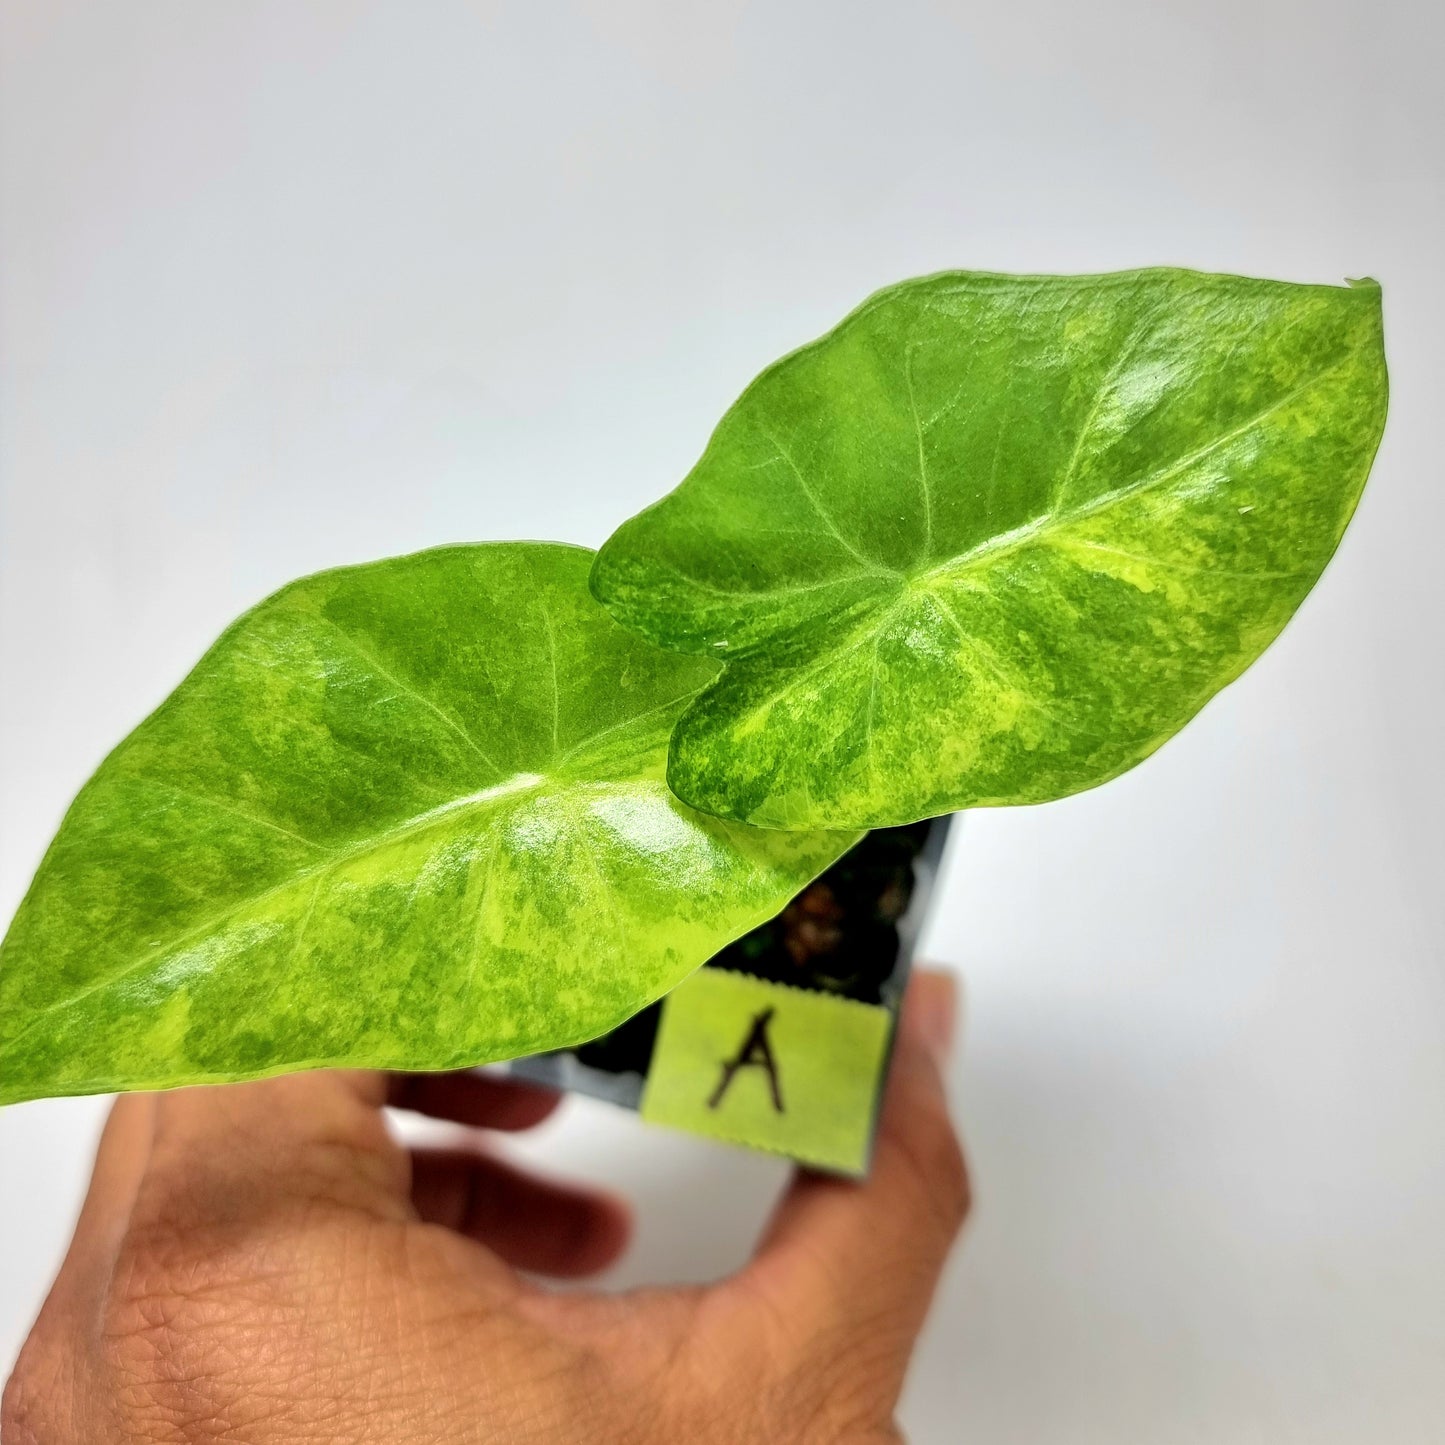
(289, 285)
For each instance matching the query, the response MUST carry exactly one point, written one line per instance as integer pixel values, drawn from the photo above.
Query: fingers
(244, 1150)
(316, 1134)
(852, 1266)
(484, 1101)
(534, 1224)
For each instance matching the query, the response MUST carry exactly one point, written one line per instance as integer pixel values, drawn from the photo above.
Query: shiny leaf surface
(407, 815)
(994, 539)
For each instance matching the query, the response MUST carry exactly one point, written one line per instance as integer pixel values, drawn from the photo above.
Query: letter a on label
(756, 1052)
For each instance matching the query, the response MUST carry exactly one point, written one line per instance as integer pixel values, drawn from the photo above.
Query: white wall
(284, 285)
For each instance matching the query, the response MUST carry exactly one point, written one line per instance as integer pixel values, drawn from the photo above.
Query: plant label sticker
(781, 1041)
(762, 1064)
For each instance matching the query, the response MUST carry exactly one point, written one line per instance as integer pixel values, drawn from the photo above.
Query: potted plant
(991, 541)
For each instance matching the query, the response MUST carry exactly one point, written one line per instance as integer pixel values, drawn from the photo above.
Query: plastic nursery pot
(781, 1041)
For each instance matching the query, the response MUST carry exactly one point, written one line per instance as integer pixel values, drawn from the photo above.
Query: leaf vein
(784, 455)
(1009, 677)
(924, 485)
(1110, 379)
(408, 689)
(224, 805)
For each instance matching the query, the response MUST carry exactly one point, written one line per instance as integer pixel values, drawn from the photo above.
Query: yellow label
(773, 1067)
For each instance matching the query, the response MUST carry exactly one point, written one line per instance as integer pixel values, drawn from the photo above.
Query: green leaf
(995, 539)
(406, 815)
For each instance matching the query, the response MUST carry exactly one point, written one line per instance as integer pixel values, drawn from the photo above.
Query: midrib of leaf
(374, 842)
(1039, 528)
(872, 624)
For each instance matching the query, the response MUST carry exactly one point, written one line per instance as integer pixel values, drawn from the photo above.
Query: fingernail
(937, 1013)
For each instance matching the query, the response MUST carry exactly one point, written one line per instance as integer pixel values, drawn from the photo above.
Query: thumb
(229, 1151)
(850, 1268)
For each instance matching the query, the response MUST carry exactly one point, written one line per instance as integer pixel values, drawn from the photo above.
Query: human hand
(264, 1263)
